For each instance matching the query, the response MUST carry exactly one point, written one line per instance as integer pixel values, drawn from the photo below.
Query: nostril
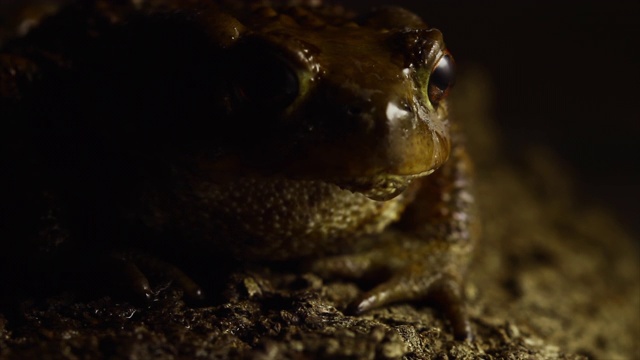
(405, 106)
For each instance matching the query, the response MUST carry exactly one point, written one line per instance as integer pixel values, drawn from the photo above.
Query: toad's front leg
(426, 253)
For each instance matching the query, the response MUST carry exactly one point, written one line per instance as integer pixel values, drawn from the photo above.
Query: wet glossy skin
(268, 133)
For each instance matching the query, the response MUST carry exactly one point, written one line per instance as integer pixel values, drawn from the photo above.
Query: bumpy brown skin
(157, 115)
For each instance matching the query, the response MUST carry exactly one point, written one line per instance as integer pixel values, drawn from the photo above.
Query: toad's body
(269, 133)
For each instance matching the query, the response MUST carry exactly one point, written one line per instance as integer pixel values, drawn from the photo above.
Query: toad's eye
(442, 78)
(267, 82)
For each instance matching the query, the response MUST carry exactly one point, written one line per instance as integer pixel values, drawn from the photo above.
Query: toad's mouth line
(377, 187)
(381, 187)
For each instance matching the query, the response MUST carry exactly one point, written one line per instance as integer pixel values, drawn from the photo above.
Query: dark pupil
(444, 74)
(269, 82)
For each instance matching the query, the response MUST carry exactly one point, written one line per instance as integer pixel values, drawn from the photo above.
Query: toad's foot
(422, 272)
(133, 269)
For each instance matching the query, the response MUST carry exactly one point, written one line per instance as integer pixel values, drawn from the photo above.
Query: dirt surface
(553, 278)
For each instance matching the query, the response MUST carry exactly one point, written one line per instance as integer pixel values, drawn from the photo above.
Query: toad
(266, 133)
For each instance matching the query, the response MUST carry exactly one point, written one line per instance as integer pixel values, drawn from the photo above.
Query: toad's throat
(279, 217)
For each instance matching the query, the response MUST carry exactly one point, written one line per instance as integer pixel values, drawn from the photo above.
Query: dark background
(566, 75)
